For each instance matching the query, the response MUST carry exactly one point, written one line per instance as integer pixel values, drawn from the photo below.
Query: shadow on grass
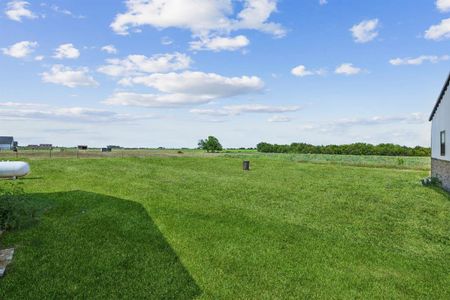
(439, 190)
(88, 246)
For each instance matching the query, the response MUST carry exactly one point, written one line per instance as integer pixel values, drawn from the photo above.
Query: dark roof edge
(441, 95)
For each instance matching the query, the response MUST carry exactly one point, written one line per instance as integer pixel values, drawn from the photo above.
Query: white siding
(441, 122)
(5, 147)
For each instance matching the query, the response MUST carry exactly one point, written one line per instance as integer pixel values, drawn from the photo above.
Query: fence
(93, 153)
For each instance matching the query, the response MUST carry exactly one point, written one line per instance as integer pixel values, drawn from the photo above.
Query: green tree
(211, 144)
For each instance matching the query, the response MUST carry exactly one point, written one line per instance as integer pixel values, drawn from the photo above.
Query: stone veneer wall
(441, 170)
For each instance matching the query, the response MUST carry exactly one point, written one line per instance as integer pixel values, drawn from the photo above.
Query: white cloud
(34, 111)
(166, 41)
(20, 49)
(208, 85)
(70, 77)
(220, 43)
(443, 5)
(39, 58)
(323, 2)
(185, 88)
(200, 17)
(11, 104)
(154, 100)
(439, 32)
(139, 64)
(64, 11)
(302, 71)
(16, 10)
(279, 119)
(413, 118)
(418, 60)
(233, 110)
(365, 31)
(255, 16)
(109, 49)
(66, 51)
(259, 108)
(347, 69)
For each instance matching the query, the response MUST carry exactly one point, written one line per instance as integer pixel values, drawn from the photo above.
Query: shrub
(431, 181)
(14, 211)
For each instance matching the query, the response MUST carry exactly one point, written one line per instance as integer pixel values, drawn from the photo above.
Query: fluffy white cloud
(199, 16)
(255, 16)
(413, 118)
(443, 5)
(39, 58)
(439, 32)
(70, 77)
(20, 49)
(220, 43)
(232, 110)
(323, 2)
(279, 119)
(418, 60)
(17, 9)
(139, 64)
(302, 71)
(365, 31)
(109, 49)
(34, 111)
(185, 88)
(66, 51)
(210, 85)
(347, 69)
(154, 100)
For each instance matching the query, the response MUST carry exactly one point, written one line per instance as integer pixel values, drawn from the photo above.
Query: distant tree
(351, 149)
(211, 144)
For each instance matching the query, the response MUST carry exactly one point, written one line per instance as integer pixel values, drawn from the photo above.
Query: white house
(440, 137)
(6, 142)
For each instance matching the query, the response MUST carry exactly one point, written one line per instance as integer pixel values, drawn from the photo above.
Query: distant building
(440, 130)
(6, 142)
(45, 145)
(82, 147)
(107, 149)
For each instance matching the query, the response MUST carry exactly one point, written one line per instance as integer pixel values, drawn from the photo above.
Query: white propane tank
(13, 169)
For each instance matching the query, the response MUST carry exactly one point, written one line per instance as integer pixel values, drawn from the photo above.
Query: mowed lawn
(187, 227)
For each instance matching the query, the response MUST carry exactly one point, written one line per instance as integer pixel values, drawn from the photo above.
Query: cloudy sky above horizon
(170, 72)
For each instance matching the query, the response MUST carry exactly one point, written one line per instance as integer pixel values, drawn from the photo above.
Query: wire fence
(93, 153)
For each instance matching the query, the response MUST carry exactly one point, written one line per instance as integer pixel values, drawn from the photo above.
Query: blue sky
(170, 72)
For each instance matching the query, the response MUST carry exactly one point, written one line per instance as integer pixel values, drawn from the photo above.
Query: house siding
(441, 122)
(5, 147)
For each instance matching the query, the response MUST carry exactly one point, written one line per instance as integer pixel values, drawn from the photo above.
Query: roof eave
(441, 95)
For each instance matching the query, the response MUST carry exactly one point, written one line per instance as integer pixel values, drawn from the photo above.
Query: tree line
(349, 149)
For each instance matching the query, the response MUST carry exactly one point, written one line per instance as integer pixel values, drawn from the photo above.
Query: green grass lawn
(397, 162)
(200, 227)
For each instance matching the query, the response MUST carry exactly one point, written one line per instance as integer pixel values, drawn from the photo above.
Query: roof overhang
(441, 95)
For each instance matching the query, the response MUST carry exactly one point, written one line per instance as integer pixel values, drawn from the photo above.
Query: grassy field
(397, 162)
(417, 163)
(199, 227)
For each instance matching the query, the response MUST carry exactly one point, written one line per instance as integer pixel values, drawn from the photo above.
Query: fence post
(77, 154)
